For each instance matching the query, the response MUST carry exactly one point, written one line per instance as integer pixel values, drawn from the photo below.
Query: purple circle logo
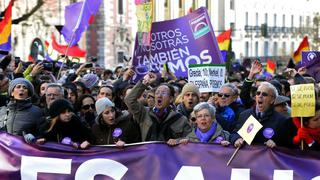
(250, 127)
(66, 141)
(117, 132)
(268, 133)
(218, 140)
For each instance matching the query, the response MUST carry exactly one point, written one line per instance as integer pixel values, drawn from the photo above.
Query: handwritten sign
(302, 100)
(144, 18)
(208, 77)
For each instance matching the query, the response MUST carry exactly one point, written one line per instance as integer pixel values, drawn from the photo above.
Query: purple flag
(77, 19)
(311, 60)
(179, 42)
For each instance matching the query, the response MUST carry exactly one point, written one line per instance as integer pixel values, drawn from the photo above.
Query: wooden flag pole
(302, 144)
(65, 55)
(233, 155)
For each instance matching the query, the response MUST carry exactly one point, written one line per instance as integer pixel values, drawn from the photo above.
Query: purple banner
(178, 42)
(153, 161)
(311, 60)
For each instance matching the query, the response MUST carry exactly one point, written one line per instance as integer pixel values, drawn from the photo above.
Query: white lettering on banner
(31, 166)
(111, 168)
(316, 178)
(189, 172)
(207, 78)
(283, 175)
(240, 174)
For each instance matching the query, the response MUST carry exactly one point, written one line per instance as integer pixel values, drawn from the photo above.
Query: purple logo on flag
(250, 128)
(199, 26)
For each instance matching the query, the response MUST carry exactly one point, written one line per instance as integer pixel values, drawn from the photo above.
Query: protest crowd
(84, 105)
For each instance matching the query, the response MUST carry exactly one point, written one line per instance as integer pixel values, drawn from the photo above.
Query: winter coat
(73, 129)
(103, 133)
(22, 117)
(173, 126)
(181, 108)
(282, 126)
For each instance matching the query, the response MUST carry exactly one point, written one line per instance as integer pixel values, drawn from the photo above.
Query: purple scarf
(205, 137)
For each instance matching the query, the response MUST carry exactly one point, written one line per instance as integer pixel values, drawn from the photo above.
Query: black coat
(283, 127)
(73, 129)
(103, 133)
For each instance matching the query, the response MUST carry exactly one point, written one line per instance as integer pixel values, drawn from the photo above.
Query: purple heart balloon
(268, 133)
(117, 132)
(250, 127)
(66, 141)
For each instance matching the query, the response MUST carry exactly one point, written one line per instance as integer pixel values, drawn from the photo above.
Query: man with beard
(189, 95)
(161, 122)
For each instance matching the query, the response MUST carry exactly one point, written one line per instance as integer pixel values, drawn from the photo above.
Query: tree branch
(27, 15)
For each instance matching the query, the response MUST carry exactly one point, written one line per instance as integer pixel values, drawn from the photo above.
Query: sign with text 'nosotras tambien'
(207, 77)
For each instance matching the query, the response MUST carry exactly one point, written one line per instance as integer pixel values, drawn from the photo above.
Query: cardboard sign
(208, 77)
(249, 129)
(303, 100)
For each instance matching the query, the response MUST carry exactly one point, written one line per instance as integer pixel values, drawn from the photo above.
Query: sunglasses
(264, 94)
(88, 106)
(225, 95)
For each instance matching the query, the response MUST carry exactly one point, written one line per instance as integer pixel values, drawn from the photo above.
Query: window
(166, 9)
(266, 48)
(292, 47)
(284, 48)
(275, 49)
(275, 20)
(257, 19)
(120, 55)
(247, 18)
(256, 49)
(232, 4)
(292, 21)
(283, 20)
(246, 49)
(266, 18)
(300, 21)
(232, 26)
(120, 7)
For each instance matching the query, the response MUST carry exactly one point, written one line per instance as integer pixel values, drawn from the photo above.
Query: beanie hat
(90, 80)
(58, 106)
(23, 81)
(102, 104)
(189, 87)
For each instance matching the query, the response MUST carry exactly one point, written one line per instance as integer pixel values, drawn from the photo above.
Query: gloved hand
(29, 138)
(303, 135)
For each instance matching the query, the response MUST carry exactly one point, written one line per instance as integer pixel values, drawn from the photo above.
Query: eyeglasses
(88, 106)
(54, 95)
(264, 94)
(225, 95)
(203, 116)
(160, 93)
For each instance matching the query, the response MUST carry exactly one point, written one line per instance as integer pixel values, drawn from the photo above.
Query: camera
(89, 65)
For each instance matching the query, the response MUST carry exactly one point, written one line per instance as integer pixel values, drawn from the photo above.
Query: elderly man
(280, 128)
(53, 92)
(159, 123)
(190, 96)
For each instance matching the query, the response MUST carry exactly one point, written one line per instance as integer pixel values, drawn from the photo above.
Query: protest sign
(207, 77)
(302, 100)
(249, 129)
(178, 42)
(144, 21)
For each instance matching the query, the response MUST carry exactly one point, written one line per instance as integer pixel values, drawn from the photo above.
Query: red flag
(73, 51)
(224, 40)
(271, 66)
(304, 46)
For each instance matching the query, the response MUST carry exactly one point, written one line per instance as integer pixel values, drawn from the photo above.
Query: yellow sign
(303, 100)
(249, 129)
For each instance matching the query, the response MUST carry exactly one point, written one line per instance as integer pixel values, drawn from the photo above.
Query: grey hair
(233, 88)
(270, 86)
(205, 105)
(55, 85)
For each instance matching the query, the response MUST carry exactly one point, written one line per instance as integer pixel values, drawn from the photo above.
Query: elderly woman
(20, 116)
(208, 129)
(228, 109)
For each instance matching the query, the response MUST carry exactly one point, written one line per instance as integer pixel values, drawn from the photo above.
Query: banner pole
(302, 144)
(233, 155)
(65, 55)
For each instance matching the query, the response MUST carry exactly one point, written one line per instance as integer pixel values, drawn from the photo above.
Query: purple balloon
(250, 127)
(66, 141)
(117, 132)
(268, 133)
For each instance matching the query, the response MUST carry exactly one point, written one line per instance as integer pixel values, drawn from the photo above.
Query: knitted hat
(189, 87)
(90, 80)
(102, 104)
(58, 106)
(21, 81)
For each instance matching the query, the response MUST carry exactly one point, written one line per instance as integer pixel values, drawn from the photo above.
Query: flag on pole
(5, 29)
(271, 66)
(304, 46)
(249, 129)
(73, 51)
(224, 40)
(78, 17)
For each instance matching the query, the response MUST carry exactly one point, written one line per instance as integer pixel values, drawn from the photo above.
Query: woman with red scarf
(310, 132)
